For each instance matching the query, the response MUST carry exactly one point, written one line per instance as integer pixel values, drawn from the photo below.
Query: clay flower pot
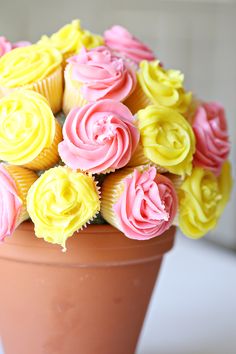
(90, 300)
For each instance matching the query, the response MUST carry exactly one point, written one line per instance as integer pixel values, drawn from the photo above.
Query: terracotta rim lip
(94, 247)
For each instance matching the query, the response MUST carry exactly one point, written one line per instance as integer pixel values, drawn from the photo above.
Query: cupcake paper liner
(72, 97)
(51, 88)
(137, 100)
(139, 159)
(49, 156)
(23, 179)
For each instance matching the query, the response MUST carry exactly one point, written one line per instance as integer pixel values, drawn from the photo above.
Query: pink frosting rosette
(102, 75)
(5, 46)
(20, 44)
(121, 41)
(10, 204)
(99, 137)
(142, 204)
(212, 141)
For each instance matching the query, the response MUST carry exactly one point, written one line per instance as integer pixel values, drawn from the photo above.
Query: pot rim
(95, 246)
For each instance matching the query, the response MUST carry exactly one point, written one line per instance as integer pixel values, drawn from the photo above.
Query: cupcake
(5, 46)
(212, 140)
(124, 44)
(99, 137)
(61, 202)
(139, 202)
(94, 75)
(225, 183)
(159, 86)
(200, 205)
(29, 133)
(70, 39)
(14, 185)
(166, 140)
(35, 67)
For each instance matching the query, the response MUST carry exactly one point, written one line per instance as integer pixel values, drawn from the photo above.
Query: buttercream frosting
(5, 46)
(123, 42)
(99, 74)
(147, 206)
(98, 137)
(212, 141)
(27, 126)
(61, 202)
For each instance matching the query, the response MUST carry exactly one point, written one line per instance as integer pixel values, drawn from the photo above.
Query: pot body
(90, 300)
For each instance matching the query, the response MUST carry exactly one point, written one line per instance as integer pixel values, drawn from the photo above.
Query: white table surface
(193, 308)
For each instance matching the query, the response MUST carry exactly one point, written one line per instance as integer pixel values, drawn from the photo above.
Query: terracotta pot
(90, 300)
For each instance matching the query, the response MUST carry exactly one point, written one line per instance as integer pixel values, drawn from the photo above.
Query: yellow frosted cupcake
(159, 86)
(225, 183)
(14, 185)
(166, 140)
(70, 39)
(36, 67)
(29, 132)
(199, 203)
(61, 202)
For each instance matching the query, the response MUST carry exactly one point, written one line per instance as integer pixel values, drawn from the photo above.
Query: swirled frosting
(212, 141)
(122, 41)
(71, 37)
(27, 65)
(10, 204)
(61, 202)
(199, 200)
(27, 126)
(147, 205)
(98, 137)
(163, 87)
(5, 46)
(167, 138)
(99, 75)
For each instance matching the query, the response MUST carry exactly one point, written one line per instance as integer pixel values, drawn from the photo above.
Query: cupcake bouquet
(95, 129)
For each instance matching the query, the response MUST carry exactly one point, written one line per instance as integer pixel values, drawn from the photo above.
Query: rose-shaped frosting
(147, 206)
(199, 200)
(123, 42)
(167, 138)
(225, 182)
(10, 204)
(61, 202)
(27, 126)
(21, 44)
(98, 137)
(27, 65)
(5, 46)
(212, 141)
(70, 38)
(164, 87)
(98, 75)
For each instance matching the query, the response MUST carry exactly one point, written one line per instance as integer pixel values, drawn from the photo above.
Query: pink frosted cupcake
(140, 203)
(5, 46)
(14, 185)
(99, 137)
(123, 43)
(212, 141)
(96, 74)
(20, 44)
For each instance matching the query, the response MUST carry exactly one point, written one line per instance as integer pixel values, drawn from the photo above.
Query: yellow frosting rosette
(36, 67)
(166, 140)
(61, 202)
(225, 182)
(199, 203)
(159, 86)
(70, 38)
(29, 132)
